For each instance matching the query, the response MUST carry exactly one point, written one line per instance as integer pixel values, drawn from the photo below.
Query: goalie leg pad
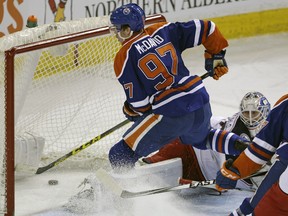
(28, 150)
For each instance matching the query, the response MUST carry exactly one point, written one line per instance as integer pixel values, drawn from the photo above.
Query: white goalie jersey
(203, 164)
(210, 161)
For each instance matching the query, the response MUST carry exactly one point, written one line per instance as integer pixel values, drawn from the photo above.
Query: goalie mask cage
(57, 82)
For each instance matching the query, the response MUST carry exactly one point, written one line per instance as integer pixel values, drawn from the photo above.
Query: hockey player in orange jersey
(162, 98)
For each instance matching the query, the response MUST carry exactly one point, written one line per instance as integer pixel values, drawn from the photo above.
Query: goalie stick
(80, 148)
(108, 181)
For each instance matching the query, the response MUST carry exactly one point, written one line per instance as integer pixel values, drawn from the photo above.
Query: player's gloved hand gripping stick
(227, 176)
(215, 64)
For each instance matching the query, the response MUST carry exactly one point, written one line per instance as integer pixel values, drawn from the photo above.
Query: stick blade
(108, 182)
(129, 194)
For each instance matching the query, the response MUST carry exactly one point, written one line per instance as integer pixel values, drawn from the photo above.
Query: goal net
(57, 91)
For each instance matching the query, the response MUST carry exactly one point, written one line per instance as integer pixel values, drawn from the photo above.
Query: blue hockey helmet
(129, 14)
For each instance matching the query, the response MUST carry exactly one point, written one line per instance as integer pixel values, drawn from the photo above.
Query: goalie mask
(128, 15)
(254, 109)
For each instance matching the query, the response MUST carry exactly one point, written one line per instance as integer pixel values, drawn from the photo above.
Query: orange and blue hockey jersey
(154, 77)
(151, 70)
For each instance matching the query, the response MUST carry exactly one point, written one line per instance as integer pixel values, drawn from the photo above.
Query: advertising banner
(14, 13)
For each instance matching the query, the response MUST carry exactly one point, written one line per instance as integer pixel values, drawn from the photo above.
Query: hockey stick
(204, 76)
(82, 147)
(112, 185)
(89, 143)
(259, 173)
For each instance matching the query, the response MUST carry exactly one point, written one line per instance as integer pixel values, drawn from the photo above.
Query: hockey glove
(129, 112)
(215, 64)
(227, 176)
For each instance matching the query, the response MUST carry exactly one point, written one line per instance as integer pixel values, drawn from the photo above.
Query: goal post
(57, 87)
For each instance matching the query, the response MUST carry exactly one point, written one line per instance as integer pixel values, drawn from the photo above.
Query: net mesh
(67, 94)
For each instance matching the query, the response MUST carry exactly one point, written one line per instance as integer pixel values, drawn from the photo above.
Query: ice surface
(257, 63)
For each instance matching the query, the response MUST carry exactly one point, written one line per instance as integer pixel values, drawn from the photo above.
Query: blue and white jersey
(272, 195)
(151, 70)
(266, 143)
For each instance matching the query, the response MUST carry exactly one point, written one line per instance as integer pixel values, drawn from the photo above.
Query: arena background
(236, 18)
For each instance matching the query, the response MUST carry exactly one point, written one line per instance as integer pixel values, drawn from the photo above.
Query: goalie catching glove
(227, 176)
(215, 64)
